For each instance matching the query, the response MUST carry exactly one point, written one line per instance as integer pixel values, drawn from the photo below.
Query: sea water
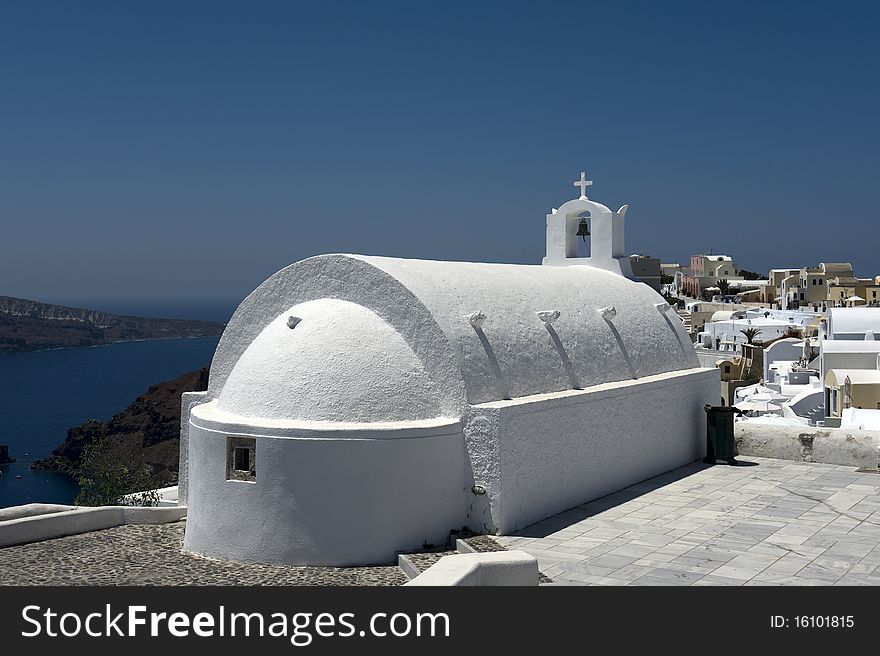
(43, 393)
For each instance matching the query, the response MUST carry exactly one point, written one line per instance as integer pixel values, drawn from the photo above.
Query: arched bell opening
(583, 232)
(578, 234)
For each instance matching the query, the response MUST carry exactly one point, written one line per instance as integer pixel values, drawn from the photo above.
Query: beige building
(740, 371)
(855, 292)
(770, 293)
(700, 313)
(828, 285)
(706, 271)
(851, 388)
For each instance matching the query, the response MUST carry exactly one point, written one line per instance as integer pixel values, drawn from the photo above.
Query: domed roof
(329, 360)
(387, 339)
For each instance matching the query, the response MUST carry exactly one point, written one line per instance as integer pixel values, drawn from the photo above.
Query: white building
(779, 356)
(802, 318)
(856, 323)
(359, 406)
(724, 330)
(847, 354)
(727, 335)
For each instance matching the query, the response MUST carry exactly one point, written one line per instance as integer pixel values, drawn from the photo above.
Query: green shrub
(104, 478)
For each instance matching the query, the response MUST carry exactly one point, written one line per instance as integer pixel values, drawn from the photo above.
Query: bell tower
(605, 232)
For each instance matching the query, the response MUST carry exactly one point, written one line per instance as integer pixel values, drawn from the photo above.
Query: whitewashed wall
(358, 409)
(556, 451)
(326, 500)
(541, 455)
(187, 402)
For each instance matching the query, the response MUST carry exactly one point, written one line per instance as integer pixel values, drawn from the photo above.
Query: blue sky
(179, 151)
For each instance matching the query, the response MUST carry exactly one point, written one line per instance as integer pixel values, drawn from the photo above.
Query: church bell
(583, 231)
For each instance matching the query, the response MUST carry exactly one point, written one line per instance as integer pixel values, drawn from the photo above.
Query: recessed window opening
(241, 459)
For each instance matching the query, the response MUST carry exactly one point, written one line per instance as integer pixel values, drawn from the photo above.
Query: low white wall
(352, 499)
(34, 528)
(834, 446)
(493, 568)
(557, 451)
(31, 510)
(188, 400)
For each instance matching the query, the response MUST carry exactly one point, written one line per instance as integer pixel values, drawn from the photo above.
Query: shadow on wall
(629, 364)
(503, 389)
(566, 362)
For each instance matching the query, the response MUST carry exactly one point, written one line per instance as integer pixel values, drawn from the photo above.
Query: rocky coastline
(27, 325)
(147, 431)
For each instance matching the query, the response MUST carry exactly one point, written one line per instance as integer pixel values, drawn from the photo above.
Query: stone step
(459, 542)
(414, 563)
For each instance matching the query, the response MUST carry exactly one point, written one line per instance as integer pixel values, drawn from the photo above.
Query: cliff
(147, 431)
(29, 326)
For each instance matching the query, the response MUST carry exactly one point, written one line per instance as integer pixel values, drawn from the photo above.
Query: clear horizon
(182, 152)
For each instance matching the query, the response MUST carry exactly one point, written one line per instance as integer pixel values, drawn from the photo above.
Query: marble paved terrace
(773, 522)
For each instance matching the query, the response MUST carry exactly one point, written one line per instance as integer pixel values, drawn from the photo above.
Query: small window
(241, 459)
(821, 281)
(727, 368)
(814, 281)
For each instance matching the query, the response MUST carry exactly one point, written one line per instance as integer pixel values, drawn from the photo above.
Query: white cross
(583, 183)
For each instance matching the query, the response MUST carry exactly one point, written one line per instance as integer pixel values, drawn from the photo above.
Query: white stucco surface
(834, 446)
(513, 353)
(541, 455)
(188, 401)
(606, 242)
(342, 362)
(351, 499)
(393, 400)
(32, 510)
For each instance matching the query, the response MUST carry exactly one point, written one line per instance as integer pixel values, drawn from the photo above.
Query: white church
(360, 406)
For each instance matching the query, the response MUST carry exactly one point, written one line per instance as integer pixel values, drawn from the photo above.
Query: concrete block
(475, 569)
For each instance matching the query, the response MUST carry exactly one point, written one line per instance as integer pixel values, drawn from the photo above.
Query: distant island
(146, 432)
(32, 326)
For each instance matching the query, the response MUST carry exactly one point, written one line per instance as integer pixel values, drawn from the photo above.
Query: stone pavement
(151, 555)
(776, 522)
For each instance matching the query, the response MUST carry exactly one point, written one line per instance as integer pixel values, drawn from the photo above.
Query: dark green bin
(720, 444)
